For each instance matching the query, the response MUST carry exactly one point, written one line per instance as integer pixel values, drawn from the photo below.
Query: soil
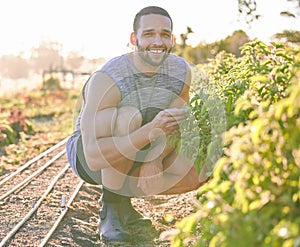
(79, 227)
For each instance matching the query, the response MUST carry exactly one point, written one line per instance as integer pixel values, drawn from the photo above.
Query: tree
(234, 42)
(203, 51)
(14, 67)
(288, 36)
(74, 60)
(46, 56)
(248, 8)
(180, 46)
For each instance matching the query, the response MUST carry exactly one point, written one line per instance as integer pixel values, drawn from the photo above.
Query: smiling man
(129, 106)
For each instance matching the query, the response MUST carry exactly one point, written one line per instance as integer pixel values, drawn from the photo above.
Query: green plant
(51, 83)
(15, 123)
(253, 197)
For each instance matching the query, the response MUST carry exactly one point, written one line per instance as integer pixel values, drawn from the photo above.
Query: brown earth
(79, 227)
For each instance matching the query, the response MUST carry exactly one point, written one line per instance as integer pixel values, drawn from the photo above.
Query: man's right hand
(167, 121)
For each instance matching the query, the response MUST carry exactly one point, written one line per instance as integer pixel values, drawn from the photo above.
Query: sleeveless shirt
(149, 94)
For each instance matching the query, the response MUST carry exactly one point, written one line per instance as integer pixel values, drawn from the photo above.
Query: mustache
(140, 48)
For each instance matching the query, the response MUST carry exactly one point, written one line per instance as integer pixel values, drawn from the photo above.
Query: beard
(154, 60)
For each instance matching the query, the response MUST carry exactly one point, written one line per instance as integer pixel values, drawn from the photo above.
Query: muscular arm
(100, 148)
(183, 99)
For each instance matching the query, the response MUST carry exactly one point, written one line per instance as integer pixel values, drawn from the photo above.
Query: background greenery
(32, 123)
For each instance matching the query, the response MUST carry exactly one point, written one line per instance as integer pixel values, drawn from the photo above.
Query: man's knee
(128, 119)
(193, 180)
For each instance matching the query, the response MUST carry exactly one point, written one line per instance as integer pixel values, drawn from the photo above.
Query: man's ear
(133, 39)
(173, 40)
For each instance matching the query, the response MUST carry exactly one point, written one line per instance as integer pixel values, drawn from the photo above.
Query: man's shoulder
(173, 59)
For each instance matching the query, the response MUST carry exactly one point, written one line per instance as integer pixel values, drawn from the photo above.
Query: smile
(157, 51)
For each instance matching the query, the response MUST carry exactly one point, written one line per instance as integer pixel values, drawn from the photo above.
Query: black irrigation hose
(33, 160)
(33, 210)
(50, 187)
(33, 175)
(59, 219)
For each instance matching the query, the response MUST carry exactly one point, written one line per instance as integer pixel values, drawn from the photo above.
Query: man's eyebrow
(167, 30)
(151, 30)
(148, 30)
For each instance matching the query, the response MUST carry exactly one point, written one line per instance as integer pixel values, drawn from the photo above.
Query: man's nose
(157, 40)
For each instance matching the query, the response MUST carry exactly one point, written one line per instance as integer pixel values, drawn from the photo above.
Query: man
(130, 105)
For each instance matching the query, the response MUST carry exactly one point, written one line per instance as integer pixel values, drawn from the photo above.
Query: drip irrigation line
(47, 237)
(32, 211)
(33, 175)
(33, 160)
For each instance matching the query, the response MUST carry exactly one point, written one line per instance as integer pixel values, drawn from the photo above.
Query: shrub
(253, 198)
(51, 83)
(15, 123)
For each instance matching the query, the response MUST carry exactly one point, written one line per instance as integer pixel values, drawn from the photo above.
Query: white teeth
(156, 51)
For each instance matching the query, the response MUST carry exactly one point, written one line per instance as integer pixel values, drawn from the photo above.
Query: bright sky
(101, 28)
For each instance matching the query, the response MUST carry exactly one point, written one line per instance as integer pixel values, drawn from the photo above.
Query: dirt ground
(80, 226)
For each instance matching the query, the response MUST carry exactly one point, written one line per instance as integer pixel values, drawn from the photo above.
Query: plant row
(246, 112)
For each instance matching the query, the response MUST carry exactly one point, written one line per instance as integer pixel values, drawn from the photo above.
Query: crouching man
(129, 107)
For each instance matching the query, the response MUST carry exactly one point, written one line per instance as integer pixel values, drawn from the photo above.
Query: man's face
(154, 38)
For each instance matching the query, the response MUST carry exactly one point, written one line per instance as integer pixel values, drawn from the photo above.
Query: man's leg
(180, 175)
(117, 211)
(127, 120)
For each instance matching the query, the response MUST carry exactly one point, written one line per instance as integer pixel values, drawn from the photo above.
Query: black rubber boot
(132, 216)
(111, 225)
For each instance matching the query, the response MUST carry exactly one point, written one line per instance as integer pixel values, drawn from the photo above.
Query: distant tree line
(202, 52)
(47, 56)
(248, 12)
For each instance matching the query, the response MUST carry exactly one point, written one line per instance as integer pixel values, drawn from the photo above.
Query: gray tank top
(149, 94)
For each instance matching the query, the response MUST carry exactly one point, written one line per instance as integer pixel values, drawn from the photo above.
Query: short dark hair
(147, 11)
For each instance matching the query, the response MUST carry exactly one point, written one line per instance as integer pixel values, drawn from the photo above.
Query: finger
(176, 119)
(176, 111)
(172, 126)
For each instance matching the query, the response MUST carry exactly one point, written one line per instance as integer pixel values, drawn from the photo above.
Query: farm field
(42, 119)
(247, 113)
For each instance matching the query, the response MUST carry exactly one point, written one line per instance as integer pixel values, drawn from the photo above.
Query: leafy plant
(15, 123)
(51, 83)
(253, 197)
